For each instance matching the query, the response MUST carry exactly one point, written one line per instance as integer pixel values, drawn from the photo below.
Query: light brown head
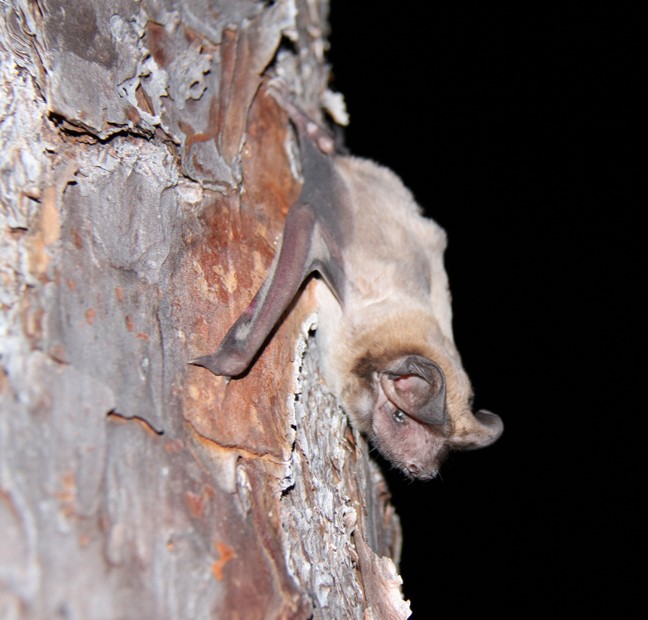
(413, 400)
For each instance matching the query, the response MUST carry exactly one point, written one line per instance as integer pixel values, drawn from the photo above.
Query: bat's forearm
(247, 336)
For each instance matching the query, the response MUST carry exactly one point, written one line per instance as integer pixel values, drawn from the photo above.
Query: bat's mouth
(413, 472)
(428, 470)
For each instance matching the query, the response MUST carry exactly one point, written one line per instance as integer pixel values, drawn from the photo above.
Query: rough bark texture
(144, 178)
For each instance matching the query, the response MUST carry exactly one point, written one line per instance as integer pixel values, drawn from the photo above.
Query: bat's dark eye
(398, 416)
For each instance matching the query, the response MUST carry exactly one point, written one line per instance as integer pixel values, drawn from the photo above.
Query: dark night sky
(514, 128)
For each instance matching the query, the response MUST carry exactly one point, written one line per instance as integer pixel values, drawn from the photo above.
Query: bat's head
(415, 410)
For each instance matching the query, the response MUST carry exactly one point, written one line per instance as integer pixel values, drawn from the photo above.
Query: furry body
(384, 325)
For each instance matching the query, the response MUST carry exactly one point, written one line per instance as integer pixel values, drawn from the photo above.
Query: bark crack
(116, 416)
(73, 130)
(241, 451)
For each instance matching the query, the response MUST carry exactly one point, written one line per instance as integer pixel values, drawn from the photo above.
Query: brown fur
(396, 304)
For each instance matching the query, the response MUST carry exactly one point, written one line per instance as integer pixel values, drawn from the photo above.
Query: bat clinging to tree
(384, 318)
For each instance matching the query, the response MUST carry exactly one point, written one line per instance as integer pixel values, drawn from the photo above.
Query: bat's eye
(398, 416)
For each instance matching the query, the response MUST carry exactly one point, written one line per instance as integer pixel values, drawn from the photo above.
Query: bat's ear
(484, 429)
(416, 386)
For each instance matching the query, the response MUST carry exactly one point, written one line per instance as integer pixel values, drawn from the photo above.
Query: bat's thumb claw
(210, 362)
(223, 364)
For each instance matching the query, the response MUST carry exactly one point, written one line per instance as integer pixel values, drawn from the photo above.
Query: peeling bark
(144, 178)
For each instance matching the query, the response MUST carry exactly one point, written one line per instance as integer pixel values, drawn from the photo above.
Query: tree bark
(145, 174)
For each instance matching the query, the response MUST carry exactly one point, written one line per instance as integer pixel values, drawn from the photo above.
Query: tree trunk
(145, 177)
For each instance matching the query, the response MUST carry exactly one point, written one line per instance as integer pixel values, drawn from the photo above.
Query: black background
(515, 129)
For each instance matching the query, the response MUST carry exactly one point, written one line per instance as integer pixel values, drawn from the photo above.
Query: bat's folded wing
(307, 246)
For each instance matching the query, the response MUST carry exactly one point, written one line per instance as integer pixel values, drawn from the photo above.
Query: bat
(384, 316)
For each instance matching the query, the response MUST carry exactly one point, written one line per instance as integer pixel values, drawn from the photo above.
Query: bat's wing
(314, 234)
(308, 245)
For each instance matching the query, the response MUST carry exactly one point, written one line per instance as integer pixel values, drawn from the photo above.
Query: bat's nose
(415, 470)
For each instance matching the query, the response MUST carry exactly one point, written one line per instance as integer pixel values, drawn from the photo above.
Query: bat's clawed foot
(279, 91)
